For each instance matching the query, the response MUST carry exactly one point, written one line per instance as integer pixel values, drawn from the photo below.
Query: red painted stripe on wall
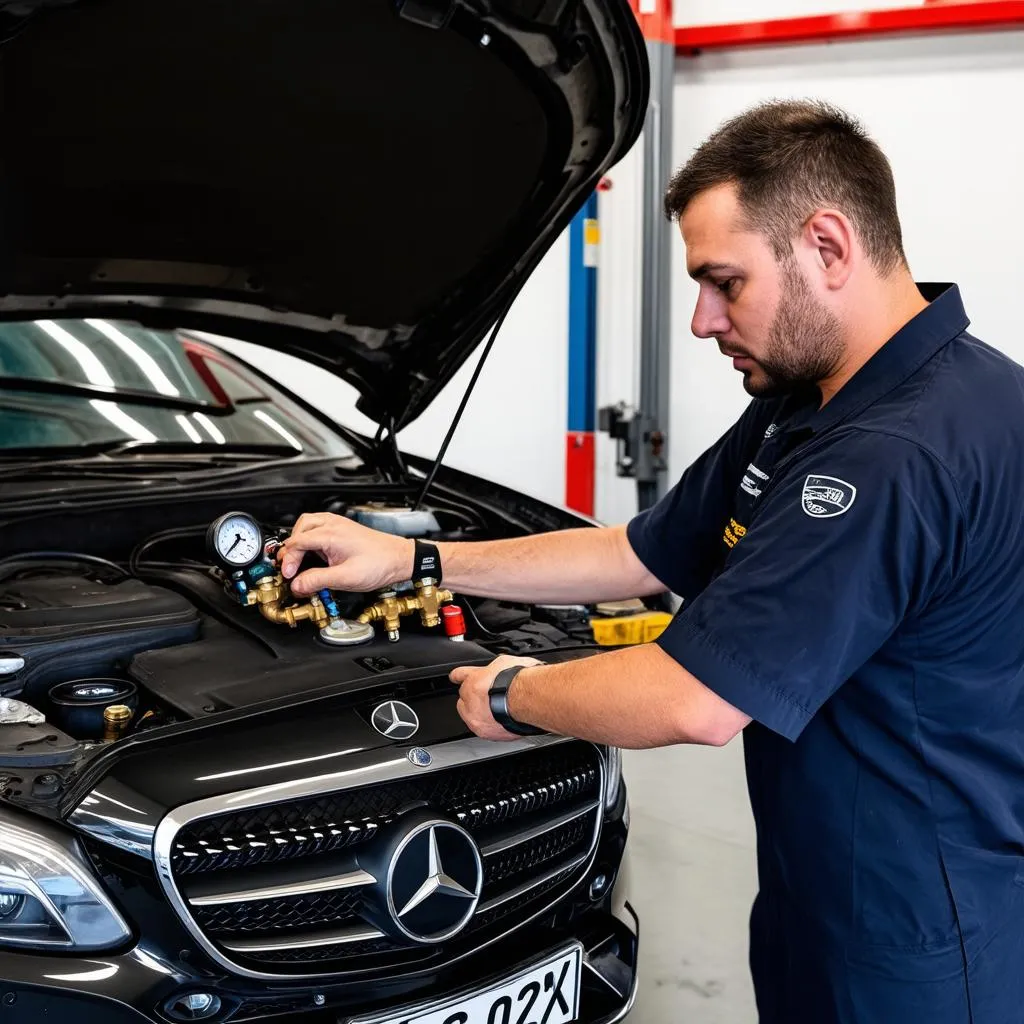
(951, 15)
(579, 471)
(655, 19)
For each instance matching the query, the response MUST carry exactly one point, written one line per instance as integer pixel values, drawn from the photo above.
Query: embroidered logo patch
(827, 496)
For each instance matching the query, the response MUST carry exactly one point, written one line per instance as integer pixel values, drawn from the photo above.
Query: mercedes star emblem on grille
(395, 720)
(434, 881)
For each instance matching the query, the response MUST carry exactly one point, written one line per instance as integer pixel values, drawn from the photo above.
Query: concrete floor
(693, 880)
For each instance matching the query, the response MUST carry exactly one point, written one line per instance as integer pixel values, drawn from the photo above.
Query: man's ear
(830, 235)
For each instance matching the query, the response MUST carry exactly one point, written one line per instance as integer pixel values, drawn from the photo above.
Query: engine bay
(198, 622)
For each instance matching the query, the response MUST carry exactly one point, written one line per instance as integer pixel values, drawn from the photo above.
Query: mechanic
(850, 562)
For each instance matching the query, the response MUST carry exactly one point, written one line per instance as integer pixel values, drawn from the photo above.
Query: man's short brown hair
(790, 158)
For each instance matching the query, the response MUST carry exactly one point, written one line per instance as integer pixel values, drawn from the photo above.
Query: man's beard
(805, 342)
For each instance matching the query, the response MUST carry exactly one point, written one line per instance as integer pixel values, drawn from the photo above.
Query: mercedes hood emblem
(395, 720)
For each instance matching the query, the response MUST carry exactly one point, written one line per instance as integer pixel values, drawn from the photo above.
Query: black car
(219, 802)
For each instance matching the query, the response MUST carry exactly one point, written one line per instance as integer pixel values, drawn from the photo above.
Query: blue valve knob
(332, 608)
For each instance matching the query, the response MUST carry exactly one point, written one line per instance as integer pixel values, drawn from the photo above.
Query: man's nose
(709, 320)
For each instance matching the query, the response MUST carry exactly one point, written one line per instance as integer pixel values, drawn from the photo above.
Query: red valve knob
(454, 622)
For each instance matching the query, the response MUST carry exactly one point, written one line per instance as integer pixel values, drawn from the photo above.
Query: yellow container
(630, 629)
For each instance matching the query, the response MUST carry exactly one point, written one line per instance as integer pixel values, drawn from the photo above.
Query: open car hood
(365, 184)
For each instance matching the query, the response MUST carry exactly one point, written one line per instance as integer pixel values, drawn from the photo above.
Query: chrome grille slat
(309, 940)
(301, 890)
(535, 832)
(328, 883)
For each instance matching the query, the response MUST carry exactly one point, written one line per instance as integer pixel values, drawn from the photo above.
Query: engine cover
(228, 669)
(68, 626)
(242, 660)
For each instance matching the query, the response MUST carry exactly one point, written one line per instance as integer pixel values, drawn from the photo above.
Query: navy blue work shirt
(853, 580)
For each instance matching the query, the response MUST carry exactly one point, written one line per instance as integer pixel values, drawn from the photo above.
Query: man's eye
(725, 287)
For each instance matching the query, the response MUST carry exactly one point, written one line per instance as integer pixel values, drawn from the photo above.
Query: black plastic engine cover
(243, 660)
(226, 669)
(71, 627)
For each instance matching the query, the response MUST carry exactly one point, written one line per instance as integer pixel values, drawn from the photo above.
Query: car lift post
(641, 437)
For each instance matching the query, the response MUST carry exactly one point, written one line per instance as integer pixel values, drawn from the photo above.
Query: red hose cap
(454, 621)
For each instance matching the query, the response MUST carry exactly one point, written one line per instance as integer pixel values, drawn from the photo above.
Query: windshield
(93, 382)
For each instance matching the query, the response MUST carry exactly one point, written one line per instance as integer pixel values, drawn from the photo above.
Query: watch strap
(426, 564)
(498, 699)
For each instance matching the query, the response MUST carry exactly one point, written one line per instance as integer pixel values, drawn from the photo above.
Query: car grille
(475, 797)
(278, 890)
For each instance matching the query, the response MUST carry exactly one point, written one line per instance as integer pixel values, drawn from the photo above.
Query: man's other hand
(474, 688)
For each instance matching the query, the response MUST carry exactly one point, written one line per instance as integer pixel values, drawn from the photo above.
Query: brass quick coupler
(390, 608)
(269, 595)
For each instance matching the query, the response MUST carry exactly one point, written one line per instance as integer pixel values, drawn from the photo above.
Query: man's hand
(359, 559)
(474, 685)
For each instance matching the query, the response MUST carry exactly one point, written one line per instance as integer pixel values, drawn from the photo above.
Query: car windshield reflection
(96, 382)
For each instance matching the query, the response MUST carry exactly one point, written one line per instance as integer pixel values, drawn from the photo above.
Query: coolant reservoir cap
(92, 692)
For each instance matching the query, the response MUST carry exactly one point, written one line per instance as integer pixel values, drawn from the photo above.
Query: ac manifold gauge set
(246, 558)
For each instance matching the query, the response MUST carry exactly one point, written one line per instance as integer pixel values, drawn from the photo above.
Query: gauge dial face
(237, 540)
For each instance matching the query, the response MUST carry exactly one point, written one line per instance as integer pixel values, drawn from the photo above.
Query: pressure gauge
(235, 540)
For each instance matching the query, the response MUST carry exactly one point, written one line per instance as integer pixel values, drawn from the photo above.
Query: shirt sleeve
(679, 537)
(858, 535)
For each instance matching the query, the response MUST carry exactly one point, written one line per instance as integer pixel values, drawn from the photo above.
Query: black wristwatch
(426, 563)
(498, 697)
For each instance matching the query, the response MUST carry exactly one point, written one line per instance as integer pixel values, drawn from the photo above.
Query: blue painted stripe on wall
(582, 326)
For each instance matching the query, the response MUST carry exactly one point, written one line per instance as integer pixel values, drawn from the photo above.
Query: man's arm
(579, 566)
(635, 698)
(667, 547)
(804, 600)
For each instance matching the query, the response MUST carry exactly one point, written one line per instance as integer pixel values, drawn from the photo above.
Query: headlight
(613, 771)
(48, 898)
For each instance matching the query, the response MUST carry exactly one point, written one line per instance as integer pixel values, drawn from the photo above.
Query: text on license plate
(546, 994)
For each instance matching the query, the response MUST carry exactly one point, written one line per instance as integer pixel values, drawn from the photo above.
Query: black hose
(179, 533)
(12, 563)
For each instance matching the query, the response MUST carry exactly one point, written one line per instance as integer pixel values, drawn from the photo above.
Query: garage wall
(939, 105)
(941, 109)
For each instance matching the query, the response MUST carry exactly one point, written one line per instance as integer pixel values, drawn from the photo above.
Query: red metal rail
(972, 15)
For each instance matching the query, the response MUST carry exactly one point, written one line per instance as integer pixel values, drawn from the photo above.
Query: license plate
(548, 993)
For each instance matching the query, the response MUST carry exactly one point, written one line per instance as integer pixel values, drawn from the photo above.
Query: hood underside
(365, 184)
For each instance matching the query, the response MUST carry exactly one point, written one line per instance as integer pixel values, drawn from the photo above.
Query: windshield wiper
(127, 396)
(105, 458)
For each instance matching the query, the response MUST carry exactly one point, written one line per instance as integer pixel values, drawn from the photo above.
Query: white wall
(944, 110)
(513, 429)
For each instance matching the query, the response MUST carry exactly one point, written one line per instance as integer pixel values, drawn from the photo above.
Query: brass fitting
(430, 601)
(270, 593)
(391, 608)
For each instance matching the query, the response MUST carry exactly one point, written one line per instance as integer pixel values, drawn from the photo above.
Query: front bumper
(139, 984)
(133, 988)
